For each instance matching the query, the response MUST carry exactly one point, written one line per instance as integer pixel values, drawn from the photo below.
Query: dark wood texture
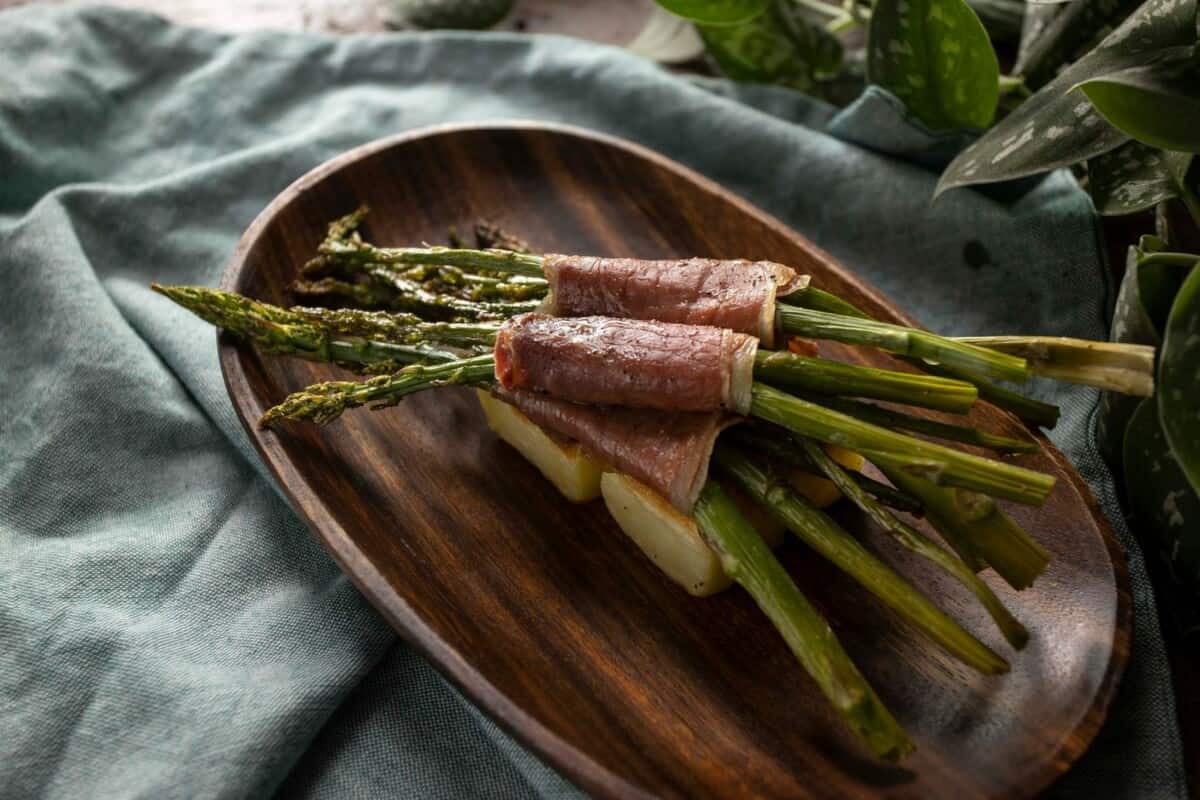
(550, 620)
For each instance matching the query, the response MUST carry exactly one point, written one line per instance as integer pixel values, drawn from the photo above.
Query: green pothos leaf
(1055, 127)
(1179, 378)
(779, 47)
(1062, 33)
(1147, 291)
(1135, 177)
(1156, 103)
(935, 56)
(1163, 503)
(715, 12)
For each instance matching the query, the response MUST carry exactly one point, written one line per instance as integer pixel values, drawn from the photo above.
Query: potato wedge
(671, 540)
(818, 490)
(668, 538)
(563, 463)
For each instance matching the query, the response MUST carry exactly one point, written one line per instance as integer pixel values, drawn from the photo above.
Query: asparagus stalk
(343, 337)
(747, 560)
(506, 262)
(820, 532)
(324, 402)
(779, 449)
(357, 337)
(791, 371)
(890, 418)
(1125, 368)
(1044, 415)
(936, 462)
(900, 340)
(368, 293)
(1041, 414)
(982, 528)
(912, 539)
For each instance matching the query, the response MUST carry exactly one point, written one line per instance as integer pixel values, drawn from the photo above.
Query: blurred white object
(667, 38)
(640, 25)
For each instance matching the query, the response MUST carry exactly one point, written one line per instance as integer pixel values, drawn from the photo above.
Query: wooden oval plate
(545, 615)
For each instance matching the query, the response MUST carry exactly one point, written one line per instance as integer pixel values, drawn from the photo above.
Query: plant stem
(1124, 368)
(981, 525)
(900, 340)
(912, 539)
(889, 418)
(796, 372)
(1190, 201)
(820, 532)
(749, 562)
(937, 462)
(827, 9)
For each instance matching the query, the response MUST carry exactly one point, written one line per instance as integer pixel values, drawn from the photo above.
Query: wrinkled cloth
(168, 628)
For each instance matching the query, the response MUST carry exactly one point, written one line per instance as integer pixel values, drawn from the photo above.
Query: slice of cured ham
(624, 362)
(669, 452)
(734, 294)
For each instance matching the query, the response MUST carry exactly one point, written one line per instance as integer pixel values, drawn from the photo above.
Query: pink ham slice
(669, 452)
(734, 294)
(624, 362)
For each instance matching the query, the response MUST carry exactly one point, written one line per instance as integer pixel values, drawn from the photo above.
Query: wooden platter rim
(571, 761)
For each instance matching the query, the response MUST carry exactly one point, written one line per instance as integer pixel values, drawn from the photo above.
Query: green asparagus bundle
(450, 301)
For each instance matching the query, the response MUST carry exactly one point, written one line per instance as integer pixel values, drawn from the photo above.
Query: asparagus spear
(1125, 368)
(890, 418)
(980, 527)
(780, 450)
(796, 372)
(900, 340)
(748, 561)
(940, 464)
(820, 532)
(344, 337)
(1044, 415)
(1041, 414)
(922, 545)
(324, 402)
(355, 337)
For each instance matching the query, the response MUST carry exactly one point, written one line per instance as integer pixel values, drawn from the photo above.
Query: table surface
(618, 22)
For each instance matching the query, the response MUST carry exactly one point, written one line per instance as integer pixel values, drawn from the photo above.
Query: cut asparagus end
(1124, 368)
(912, 539)
(978, 522)
(747, 560)
(829, 539)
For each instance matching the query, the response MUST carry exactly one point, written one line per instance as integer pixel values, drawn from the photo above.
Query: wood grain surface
(555, 624)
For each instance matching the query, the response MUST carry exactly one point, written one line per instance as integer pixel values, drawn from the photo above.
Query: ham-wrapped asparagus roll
(735, 294)
(631, 363)
(669, 452)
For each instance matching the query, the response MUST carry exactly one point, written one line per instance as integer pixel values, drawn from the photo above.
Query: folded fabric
(168, 626)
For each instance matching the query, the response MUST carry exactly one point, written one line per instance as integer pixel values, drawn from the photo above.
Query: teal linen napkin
(168, 628)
